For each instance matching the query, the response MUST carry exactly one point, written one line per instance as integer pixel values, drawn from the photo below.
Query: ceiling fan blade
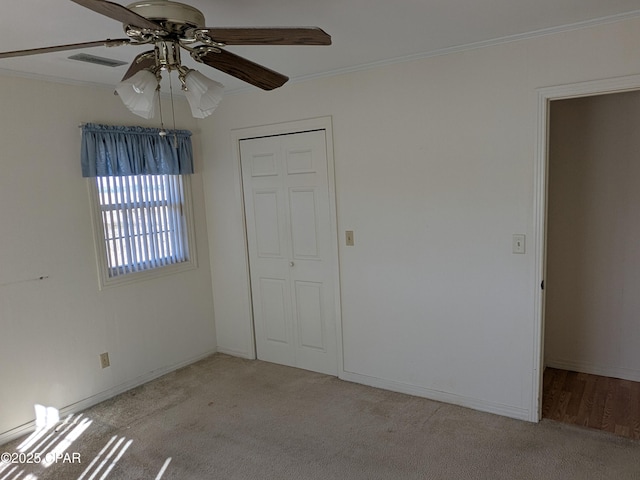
(268, 35)
(119, 13)
(143, 61)
(243, 69)
(71, 46)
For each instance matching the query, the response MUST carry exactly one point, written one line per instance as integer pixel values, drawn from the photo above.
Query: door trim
(287, 128)
(541, 165)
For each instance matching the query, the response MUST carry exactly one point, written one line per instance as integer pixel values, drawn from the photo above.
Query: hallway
(603, 403)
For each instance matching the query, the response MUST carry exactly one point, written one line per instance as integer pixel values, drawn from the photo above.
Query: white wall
(52, 331)
(593, 258)
(434, 173)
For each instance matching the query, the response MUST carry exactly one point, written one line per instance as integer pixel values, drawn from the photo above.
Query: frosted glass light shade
(139, 93)
(203, 94)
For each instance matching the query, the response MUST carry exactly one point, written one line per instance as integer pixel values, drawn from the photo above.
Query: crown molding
(469, 46)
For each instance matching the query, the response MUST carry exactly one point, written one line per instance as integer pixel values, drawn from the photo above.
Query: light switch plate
(349, 238)
(518, 243)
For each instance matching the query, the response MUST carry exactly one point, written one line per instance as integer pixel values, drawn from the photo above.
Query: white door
(291, 254)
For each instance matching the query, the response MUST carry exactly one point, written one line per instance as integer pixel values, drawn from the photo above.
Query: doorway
(589, 257)
(292, 248)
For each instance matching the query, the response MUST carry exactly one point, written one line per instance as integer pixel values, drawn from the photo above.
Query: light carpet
(230, 418)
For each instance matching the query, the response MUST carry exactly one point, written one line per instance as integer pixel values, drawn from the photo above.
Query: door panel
(267, 223)
(272, 292)
(299, 161)
(291, 254)
(304, 228)
(272, 318)
(263, 165)
(309, 312)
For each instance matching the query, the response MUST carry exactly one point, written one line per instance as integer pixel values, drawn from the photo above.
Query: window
(142, 224)
(140, 192)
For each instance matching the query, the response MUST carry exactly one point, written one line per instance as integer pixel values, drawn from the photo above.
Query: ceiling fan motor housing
(173, 16)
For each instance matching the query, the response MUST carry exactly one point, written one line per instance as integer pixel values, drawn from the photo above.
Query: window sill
(144, 275)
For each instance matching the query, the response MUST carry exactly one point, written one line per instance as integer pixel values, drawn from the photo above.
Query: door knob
(291, 264)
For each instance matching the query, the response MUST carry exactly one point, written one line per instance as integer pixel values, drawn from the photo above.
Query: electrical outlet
(349, 238)
(104, 360)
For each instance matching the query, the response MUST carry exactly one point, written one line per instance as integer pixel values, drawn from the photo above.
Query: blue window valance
(116, 151)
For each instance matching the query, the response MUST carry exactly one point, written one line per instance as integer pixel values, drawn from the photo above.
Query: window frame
(100, 242)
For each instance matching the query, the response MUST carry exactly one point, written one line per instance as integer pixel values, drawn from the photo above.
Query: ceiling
(364, 32)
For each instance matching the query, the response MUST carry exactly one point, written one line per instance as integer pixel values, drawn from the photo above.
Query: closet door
(287, 207)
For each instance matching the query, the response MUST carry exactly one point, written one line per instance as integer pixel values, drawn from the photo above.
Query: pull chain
(173, 113)
(162, 130)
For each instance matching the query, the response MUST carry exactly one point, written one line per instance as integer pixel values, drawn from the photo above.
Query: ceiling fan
(170, 26)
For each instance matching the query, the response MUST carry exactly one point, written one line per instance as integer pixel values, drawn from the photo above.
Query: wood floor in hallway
(593, 401)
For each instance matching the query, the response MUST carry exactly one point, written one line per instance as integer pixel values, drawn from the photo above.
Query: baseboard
(605, 371)
(235, 353)
(81, 405)
(460, 400)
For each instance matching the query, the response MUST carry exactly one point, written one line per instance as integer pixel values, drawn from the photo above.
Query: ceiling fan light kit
(139, 93)
(203, 94)
(170, 26)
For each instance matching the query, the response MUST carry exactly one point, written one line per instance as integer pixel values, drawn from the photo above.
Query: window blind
(144, 225)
